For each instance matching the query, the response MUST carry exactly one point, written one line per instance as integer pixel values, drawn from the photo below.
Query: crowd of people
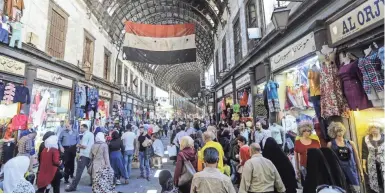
(210, 158)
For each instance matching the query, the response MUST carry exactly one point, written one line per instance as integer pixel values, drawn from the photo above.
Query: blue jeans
(144, 163)
(128, 155)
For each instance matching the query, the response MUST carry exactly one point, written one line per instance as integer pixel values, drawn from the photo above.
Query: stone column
(253, 87)
(30, 77)
(234, 90)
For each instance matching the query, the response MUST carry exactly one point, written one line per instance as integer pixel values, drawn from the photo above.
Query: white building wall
(36, 20)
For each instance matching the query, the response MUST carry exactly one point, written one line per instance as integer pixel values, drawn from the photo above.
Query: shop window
(88, 52)
(224, 54)
(119, 73)
(106, 66)
(57, 31)
(237, 42)
(146, 91)
(251, 17)
(125, 77)
(49, 105)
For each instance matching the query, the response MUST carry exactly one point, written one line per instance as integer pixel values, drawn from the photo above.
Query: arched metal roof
(205, 14)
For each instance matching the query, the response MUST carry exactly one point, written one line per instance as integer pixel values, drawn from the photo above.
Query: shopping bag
(135, 163)
(171, 151)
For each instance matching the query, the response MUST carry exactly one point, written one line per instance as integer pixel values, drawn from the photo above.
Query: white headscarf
(100, 137)
(51, 142)
(14, 171)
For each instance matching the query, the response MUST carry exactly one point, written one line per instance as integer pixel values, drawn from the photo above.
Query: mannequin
(347, 155)
(373, 149)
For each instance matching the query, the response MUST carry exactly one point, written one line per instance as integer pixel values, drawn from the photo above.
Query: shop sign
(219, 93)
(293, 52)
(129, 100)
(104, 93)
(11, 66)
(368, 15)
(53, 78)
(242, 81)
(228, 88)
(117, 97)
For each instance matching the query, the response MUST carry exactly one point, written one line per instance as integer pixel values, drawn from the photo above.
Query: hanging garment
(355, 95)
(332, 100)
(272, 96)
(314, 82)
(305, 94)
(381, 57)
(348, 164)
(22, 95)
(19, 122)
(260, 108)
(13, 5)
(244, 99)
(9, 93)
(373, 152)
(236, 108)
(371, 73)
(16, 34)
(2, 90)
(39, 115)
(4, 30)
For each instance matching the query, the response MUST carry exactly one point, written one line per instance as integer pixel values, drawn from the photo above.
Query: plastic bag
(171, 150)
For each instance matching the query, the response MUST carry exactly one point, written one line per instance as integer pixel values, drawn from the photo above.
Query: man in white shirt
(260, 133)
(84, 159)
(129, 142)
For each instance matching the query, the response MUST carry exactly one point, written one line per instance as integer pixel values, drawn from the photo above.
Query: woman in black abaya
(335, 168)
(272, 151)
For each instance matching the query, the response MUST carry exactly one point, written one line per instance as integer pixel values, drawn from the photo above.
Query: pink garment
(19, 122)
(9, 93)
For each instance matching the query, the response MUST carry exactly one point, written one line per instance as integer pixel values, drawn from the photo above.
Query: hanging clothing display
(22, 95)
(371, 72)
(14, 8)
(19, 122)
(272, 96)
(373, 152)
(236, 108)
(244, 99)
(314, 82)
(9, 93)
(333, 102)
(354, 93)
(4, 29)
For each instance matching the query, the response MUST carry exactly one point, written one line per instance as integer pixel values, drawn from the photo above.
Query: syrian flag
(159, 44)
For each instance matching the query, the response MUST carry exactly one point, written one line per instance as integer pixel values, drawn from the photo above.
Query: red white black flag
(159, 44)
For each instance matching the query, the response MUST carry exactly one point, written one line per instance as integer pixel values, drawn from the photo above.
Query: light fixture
(280, 18)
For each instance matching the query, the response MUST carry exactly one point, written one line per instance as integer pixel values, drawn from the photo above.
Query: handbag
(187, 172)
(91, 164)
(135, 163)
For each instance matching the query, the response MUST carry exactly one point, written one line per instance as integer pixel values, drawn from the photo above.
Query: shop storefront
(227, 103)
(219, 102)
(117, 108)
(50, 101)
(356, 38)
(129, 107)
(104, 105)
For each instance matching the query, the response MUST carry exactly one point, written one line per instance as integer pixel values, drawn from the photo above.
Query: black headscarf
(318, 171)
(335, 168)
(273, 152)
(166, 181)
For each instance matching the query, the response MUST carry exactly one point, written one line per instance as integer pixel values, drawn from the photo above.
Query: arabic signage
(293, 52)
(104, 93)
(228, 88)
(117, 97)
(365, 16)
(242, 81)
(219, 93)
(53, 78)
(11, 66)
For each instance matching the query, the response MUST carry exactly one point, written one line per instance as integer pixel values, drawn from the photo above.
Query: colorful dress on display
(332, 100)
(354, 92)
(371, 71)
(272, 96)
(373, 152)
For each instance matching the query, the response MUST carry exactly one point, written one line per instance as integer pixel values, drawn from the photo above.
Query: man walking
(84, 160)
(68, 139)
(211, 180)
(144, 141)
(129, 142)
(259, 174)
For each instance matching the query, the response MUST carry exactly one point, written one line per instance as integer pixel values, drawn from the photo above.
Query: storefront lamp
(280, 18)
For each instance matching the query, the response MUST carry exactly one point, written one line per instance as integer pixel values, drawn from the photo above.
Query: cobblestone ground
(135, 185)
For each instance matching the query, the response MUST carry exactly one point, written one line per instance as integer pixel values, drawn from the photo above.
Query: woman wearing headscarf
(50, 161)
(188, 153)
(41, 147)
(272, 151)
(116, 148)
(318, 171)
(104, 181)
(14, 181)
(335, 168)
(167, 182)
(99, 155)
